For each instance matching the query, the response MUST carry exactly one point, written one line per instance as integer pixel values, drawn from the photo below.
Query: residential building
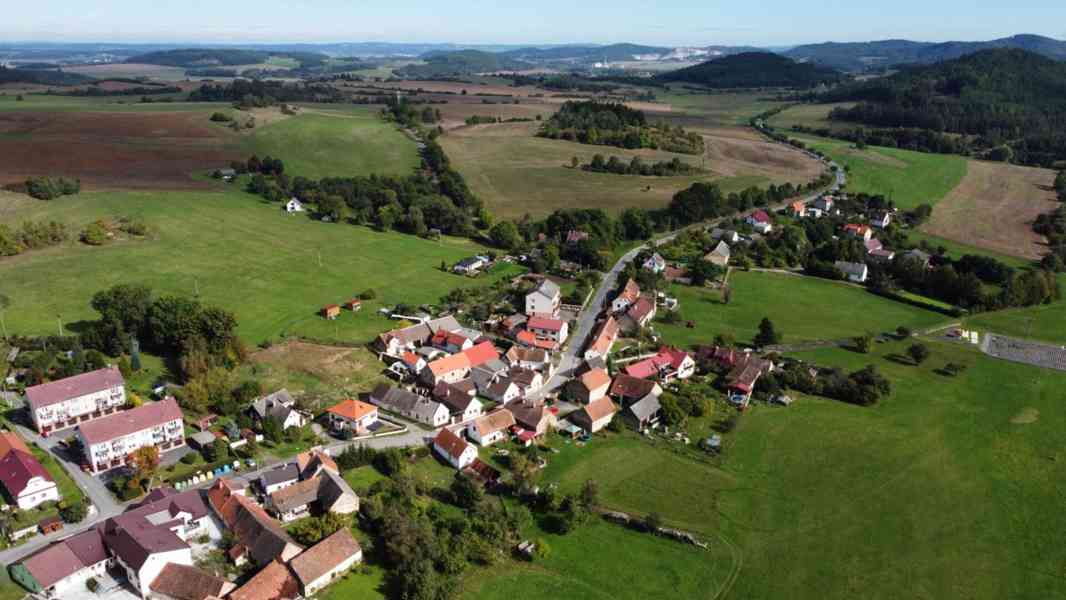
(513, 324)
(470, 265)
(331, 311)
(527, 339)
(353, 416)
(863, 232)
(527, 380)
(534, 416)
(449, 369)
(719, 256)
(655, 263)
(554, 330)
(669, 364)
(451, 341)
(260, 539)
(275, 581)
(644, 413)
(109, 441)
(491, 428)
(760, 221)
(799, 209)
(856, 272)
(881, 219)
(463, 405)
(629, 294)
(741, 380)
(414, 337)
(922, 258)
(639, 315)
(728, 236)
(294, 206)
(320, 564)
(529, 358)
(327, 490)
(596, 415)
(75, 400)
(503, 391)
(606, 334)
(63, 567)
(544, 299)
(591, 386)
(628, 389)
(281, 407)
(26, 481)
(454, 449)
(410, 405)
(182, 582)
(279, 478)
(824, 204)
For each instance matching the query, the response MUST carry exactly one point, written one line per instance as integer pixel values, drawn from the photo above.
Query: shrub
(189, 458)
(220, 117)
(92, 584)
(368, 294)
(95, 234)
(74, 512)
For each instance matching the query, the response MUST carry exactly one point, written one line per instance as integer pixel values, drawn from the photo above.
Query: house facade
(606, 334)
(26, 480)
(352, 416)
(74, 400)
(455, 450)
(555, 330)
(491, 428)
(545, 299)
(64, 566)
(332, 557)
(410, 405)
(596, 415)
(629, 294)
(109, 441)
(855, 272)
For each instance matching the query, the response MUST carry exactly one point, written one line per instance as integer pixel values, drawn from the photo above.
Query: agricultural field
(709, 111)
(809, 115)
(802, 309)
(273, 270)
(517, 173)
(130, 71)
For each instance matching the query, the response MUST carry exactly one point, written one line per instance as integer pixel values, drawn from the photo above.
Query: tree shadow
(79, 327)
(900, 359)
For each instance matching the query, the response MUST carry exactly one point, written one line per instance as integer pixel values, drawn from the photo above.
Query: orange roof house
(9, 441)
(352, 415)
(331, 312)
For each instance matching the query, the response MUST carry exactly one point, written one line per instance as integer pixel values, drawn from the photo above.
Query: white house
(555, 330)
(26, 481)
(454, 449)
(109, 441)
(503, 391)
(281, 407)
(760, 221)
(294, 206)
(352, 415)
(545, 299)
(75, 400)
(491, 428)
(63, 567)
(856, 272)
(655, 263)
(320, 564)
(470, 265)
(626, 297)
(596, 415)
(881, 219)
(410, 405)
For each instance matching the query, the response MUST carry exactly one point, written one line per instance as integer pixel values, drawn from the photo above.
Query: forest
(754, 70)
(615, 124)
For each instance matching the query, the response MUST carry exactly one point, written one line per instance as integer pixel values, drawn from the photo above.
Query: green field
(802, 309)
(907, 178)
(235, 250)
(701, 111)
(40, 102)
(809, 115)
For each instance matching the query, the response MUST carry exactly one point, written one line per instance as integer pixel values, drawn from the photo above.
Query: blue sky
(677, 22)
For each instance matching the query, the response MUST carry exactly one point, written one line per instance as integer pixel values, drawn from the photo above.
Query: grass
(363, 477)
(1045, 323)
(810, 115)
(364, 583)
(9, 590)
(235, 251)
(699, 110)
(801, 308)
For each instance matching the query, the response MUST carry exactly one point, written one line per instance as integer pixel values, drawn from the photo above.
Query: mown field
(235, 250)
(801, 308)
(809, 115)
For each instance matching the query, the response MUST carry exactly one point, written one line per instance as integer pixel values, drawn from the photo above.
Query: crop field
(711, 110)
(802, 309)
(130, 70)
(810, 115)
(994, 208)
(517, 173)
(273, 270)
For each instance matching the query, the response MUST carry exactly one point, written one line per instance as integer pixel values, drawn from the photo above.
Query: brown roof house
(260, 538)
(591, 386)
(454, 449)
(629, 294)
(491, 428)
(320, 485)
(604, 338)
(273, 582)
(325, 561)
(26, 481)
(64, 566)
(182, 582)
(462, 403)
(596, 415)
(533, 416)
(639, 315)
(109, 441)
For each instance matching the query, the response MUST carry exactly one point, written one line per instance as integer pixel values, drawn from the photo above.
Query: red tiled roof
(448, 364)
(9, 440)
(55, 392)
(640, 310)
(481, 354)
(630, 292)
(411, 359)
(353, 410)
(17, 468)
(643, 369)
(545, 324)
(607, 334)
(325, 556)
(182, 582)
(131, 421)
(450, 443)
(273, 582)
(495, 421)
(760, 216)
(598, 409)
(627, 386)
(595, 379)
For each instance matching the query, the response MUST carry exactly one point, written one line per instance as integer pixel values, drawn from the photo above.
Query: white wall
(38, 491)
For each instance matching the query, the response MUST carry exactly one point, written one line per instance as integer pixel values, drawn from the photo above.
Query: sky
(664, 22)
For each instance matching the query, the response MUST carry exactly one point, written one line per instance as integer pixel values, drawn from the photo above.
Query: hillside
(1006, 96)
(200, 57)
(754, 70)
(859, 56)
(462, 62)
(41, 76)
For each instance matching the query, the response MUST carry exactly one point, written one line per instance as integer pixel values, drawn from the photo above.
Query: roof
(325, 556)
(595, 379)
(17, 468)
(599, 409)
(873, 244)
(856, 229)
(411, 359)
(402, 401)
(203, 438)
(183, 582)
(310, 461)
(627, 386)
(667, 357)
(527, 338)
(282, 474)
(747, 372)
(851, 268)
(533, 355)
(545, 324)
(295, 496)
(55, 392)
(799, 206)
(448, 364)
(421, 333)
(641, 310)
(646, 407)
(760, 216)
(130, 421)
(455, 398)
(451, 443)
(547, 288)
(529, 414)
(9, 440)
(495, 421)
(88, 546)
(351, 409)
(65, 558)
(274, 405)
(145, 529)
(630, 292)
(273, 582)
(606, 334)
(261, 535)
(721, 250)
(481, 353)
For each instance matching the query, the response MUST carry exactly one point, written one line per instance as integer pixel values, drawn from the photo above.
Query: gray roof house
(279, 406)
(410, 405)
(720, 255)
(856, 272)
(644, 412)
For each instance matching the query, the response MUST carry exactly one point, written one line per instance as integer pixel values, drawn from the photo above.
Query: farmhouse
(591, 386)
(596, 415)
(503, 391)
(644, 413)
(471, 265)
(603, 339)
(491, 428)
(279, 406)
(741, 381)
(856, 272)
(410, 405)
(78, 399)
(414, 337)
(109, 441)
(320, 564)
(639, 315)
(26, 481)
(273, 582)
(529, 358)
(451, 342)
(760, 221)
(279, 478)
(454, 449)
(326, 489)
(527, 380)
(259, 538)
(655, 263)
(182, 582)
(463, 405)
(527, 339)
(352, 416)
(669, 364)
(448, 369)
(64, 566)
(544, 300)
(512, 325)
(294, 206)
(855, 230)
(626, 297)
(719, 256)
(533, 416)
(627, 389)
(553, 330)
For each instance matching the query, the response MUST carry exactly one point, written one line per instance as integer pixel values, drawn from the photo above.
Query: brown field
(994, 208)
(731, 156)
(324, 374)
(156, 150)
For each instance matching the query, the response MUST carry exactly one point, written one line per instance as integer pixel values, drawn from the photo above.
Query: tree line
(637, 166)
(31, 235)
(615, 124)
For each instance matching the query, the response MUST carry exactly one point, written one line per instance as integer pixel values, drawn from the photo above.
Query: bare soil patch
(297, 364)
(732, 156)
(1026, 416)
(994, 208)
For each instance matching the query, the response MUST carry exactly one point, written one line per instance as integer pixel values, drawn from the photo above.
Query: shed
(202, 439)
(331, 312)
(50, 525)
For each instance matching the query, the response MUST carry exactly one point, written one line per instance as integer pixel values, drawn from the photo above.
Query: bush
(74, 512)
(95, 234)
(220, 117)
(189, 458)
(92, 584)
(369, 294)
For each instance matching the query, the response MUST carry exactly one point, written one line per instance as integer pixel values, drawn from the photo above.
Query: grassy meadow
(802, 309)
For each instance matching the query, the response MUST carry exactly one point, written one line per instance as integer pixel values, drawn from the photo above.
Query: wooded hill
(462, 62)
(41, 77)
(1006, 97)
(754, 70)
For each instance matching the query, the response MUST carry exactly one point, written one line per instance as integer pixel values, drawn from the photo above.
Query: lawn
(801, 308)
(362, 478)
(1046, 322)
(363, 583)
(706, 110)
(235, 251)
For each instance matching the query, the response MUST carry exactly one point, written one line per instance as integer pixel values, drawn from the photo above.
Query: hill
(860, 56)
(1004, 97)
(42, 76)
(754, 70)
(200, 57)
(462, 62)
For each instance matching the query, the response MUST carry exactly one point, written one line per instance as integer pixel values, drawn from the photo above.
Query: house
(463, 405)
(669, 364)
(760, 221)
(182, 582)
(629, 294)
(456, 367)
(628, 389)
(471, 265)
(553, 330)
(275, 581)
(719, 256)
(533, 416)
(201, 440)
(728, 236)
(856, 272)
(883, 255)
(596, 415)
(527, 380)
(855, 230)
(603, 339)
(529, 358)
(503, 391)
(331, 312)
(591, 386)
(410, 405)
(26, 481)
(575, 236)
(414, 337)
(643, 413)
(451, 341)
(655, 263)
(872, 244)
(78, 399)
(63, 567)
(279, 478)
(413, 363)
(824, 204)
(354, 305)
(639, 315)
(527, 339)
(676, 275)
(325, 489)
(741, 380)
(109, 441)
(491, 428)
(259, 538)
(922, 258)
(332, 557)
(294, 206)
(454, 449)
(279, 406)
(512, 325)
(544, 299)
(352, 416)
(881, 219)
(799, 209)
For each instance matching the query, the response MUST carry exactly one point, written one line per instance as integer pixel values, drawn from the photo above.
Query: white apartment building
(110, 440)
(75, 400)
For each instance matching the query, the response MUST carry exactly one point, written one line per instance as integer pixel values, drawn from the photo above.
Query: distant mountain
(462, 62)
(200, 57)
(42, 77)
(861, 56)
(754, 70)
